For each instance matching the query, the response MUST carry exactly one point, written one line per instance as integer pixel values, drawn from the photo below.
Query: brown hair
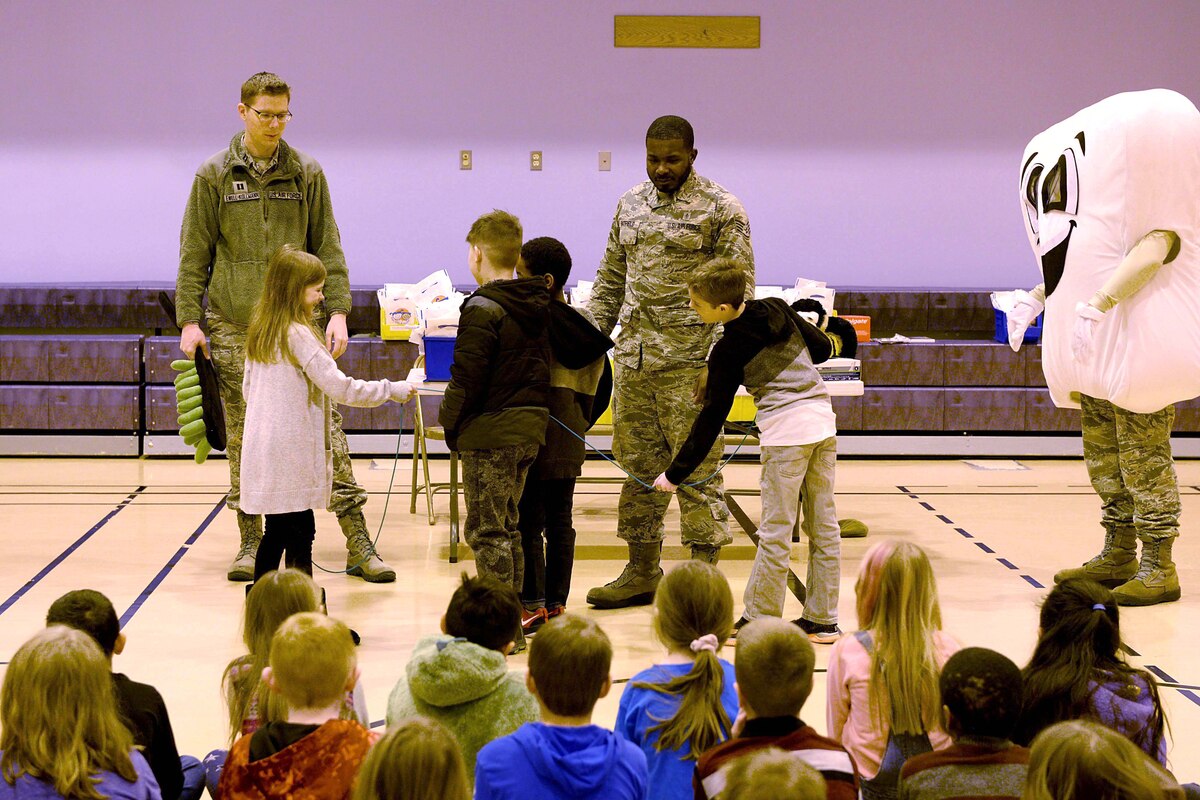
(417, 760)
(59, 717)
(718, 281)
(274, 597)
(772, 774)
(693, 600)
(1083, 760)
(290, 272)
(569, 661)
(264, 83)
(498, 235)
(774, 667)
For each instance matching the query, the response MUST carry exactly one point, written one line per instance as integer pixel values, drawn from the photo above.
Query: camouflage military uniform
(656, 241)
(1129, 461)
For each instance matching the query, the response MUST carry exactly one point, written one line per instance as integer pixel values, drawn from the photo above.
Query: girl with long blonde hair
(681, 707)
(1084, 760)
(419, 759)
(884, 703)
(290, 385)
(61, 729)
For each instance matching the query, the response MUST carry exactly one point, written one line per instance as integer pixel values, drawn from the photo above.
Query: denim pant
(787, 473)
(545, 511)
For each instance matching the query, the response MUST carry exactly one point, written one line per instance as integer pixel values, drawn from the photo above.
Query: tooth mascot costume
(1111, 202)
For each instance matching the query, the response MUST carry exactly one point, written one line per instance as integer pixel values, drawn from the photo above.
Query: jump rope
(745, 430)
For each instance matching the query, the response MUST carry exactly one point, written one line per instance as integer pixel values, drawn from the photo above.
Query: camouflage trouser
(653, 414)
(493, 481)
(1128, 458)
(227, 343)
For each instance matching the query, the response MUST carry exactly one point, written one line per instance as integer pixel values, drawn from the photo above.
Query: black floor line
(17, 595)
(170, 565)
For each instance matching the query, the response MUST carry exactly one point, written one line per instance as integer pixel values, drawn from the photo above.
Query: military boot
(250, 528)
(1156, 580)
(639, 579)
(709, 554)
(1116, 563)
(362, 561)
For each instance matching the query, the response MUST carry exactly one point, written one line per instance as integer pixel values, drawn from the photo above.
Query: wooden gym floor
(153, 535)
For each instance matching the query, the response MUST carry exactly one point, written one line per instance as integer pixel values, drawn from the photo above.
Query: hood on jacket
(575, 340)
(446, 671)
(774, 316)
(577, 760)
(523, 299)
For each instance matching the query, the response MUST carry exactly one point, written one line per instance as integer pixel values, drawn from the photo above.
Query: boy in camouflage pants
(494, 411)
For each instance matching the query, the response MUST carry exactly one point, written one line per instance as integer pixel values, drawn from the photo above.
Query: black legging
(292, 533)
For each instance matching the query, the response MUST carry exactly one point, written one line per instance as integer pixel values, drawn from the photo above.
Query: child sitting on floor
(681, 707)
(418, 759)
(313, 753)
(461, 678)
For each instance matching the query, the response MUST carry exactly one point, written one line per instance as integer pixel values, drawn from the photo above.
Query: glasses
(263, 116)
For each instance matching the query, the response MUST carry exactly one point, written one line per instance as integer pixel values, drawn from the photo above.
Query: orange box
(862, 326)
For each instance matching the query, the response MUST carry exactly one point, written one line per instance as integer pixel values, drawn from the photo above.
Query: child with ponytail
(685, 705)
(1077, 672)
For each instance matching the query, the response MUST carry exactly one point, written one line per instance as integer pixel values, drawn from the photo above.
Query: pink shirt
(847, 706)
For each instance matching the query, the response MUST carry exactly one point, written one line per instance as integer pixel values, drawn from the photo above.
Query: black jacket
(501, 369)
(578, 352)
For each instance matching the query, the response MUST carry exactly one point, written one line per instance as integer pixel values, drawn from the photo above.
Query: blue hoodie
(553, 761)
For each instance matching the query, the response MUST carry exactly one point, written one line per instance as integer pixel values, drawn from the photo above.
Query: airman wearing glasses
(249, 199)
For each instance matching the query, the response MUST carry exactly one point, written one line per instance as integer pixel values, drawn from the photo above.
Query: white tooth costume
(1111, 203)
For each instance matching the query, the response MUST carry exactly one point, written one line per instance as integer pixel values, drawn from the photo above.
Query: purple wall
(873, 143)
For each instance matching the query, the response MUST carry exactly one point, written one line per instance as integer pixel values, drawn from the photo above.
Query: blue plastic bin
(439, 354)
(1032, 334)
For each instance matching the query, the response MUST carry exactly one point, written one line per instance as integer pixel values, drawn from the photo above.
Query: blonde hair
(274, 598)
(774, 667)
(59, 715)
(290, 272)
(897, 603)
(1083, 760)
(417, 760)
(312, 659)
(772, 774)
(693, 600)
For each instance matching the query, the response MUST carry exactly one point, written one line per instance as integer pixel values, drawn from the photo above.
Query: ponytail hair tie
(1099, 607)
(706, 642)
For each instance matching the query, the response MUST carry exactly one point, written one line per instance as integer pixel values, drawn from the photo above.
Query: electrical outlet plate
(464, 159)
(605, 161)
(535, 160)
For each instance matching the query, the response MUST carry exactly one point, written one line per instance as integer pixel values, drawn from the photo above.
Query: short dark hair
(498, 234)
(720, 280)
(668, 128)
(547, 256)
(264, 83)
(982, 689)
(89, 611)
(569, 661)
(484, 611)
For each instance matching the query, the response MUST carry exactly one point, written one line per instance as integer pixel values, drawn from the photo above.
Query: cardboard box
(399, 323)
(862, 326)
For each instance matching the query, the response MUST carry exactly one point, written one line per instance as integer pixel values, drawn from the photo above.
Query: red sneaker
(532, 620)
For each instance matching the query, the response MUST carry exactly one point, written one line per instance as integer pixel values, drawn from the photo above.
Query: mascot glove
(1022, 316)
(1085, 330)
